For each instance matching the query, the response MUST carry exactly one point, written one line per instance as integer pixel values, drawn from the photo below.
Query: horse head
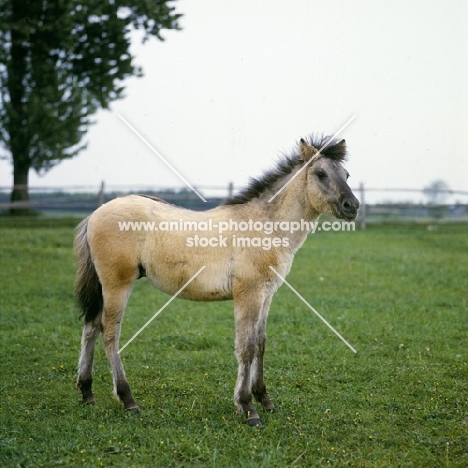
(327, 187)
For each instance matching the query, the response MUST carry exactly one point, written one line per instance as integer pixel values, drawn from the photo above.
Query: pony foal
(110, 259)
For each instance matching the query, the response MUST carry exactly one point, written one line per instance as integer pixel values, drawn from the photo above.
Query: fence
(398, 205)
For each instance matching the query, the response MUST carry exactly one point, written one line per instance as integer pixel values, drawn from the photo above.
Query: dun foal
(111, 257)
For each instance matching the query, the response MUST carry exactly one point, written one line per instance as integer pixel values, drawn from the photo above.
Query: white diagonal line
(162, 308)
(160, 156)
(315, 312)
(312, 159)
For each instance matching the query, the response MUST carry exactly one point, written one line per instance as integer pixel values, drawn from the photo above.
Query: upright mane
(335, 150)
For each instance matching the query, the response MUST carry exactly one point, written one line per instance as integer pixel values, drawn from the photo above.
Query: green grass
(396, 293)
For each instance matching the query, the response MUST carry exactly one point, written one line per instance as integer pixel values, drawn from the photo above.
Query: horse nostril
(347, 206)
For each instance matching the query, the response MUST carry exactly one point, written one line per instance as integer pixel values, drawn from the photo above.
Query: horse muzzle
(347, 209)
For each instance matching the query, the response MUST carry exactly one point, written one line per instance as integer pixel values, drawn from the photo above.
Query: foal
(111, 257)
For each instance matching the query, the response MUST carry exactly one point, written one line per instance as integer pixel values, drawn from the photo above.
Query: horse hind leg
(91, 330)
(258, 386)
(114, 306)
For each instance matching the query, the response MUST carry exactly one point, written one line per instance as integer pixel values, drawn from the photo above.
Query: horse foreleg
(114, 306)
(89, 337)
(257, 374)
(247, 313)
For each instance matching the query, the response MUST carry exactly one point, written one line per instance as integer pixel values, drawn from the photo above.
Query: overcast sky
(245, 79)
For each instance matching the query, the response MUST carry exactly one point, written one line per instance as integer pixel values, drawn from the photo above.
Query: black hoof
(91, 402)
(134, 410)
(254, 422)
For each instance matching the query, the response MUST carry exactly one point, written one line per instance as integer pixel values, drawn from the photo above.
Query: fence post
(362, 210)
(101, 194)
(230, 189)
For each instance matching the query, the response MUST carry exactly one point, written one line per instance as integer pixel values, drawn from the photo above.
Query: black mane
(335, 150)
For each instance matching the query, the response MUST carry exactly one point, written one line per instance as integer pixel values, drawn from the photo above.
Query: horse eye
(321, 175)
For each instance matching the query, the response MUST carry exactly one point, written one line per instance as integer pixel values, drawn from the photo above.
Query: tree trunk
(18, 115)
(20, 194)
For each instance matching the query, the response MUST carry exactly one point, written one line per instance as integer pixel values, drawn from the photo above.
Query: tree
(436, 192)
(60, 61)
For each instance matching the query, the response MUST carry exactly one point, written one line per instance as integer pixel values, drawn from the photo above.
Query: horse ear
(307, 151)
(343, 143)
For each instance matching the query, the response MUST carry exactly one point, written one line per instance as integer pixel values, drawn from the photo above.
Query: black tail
(88, 288)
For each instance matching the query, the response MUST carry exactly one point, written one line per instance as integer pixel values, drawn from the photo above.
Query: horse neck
(292, 204)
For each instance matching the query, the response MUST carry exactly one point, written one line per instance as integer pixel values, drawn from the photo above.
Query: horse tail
(88, 288)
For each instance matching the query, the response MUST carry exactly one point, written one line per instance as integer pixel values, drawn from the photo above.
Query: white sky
(245, 79)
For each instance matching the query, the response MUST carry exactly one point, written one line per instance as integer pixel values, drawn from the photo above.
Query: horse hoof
(134, 410)
(254, 422)
(267, 403)
(269, 406)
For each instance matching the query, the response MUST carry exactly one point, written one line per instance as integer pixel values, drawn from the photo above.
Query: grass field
(398, 294)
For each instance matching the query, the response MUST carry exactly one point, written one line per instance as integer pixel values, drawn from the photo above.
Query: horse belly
(210, 284)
